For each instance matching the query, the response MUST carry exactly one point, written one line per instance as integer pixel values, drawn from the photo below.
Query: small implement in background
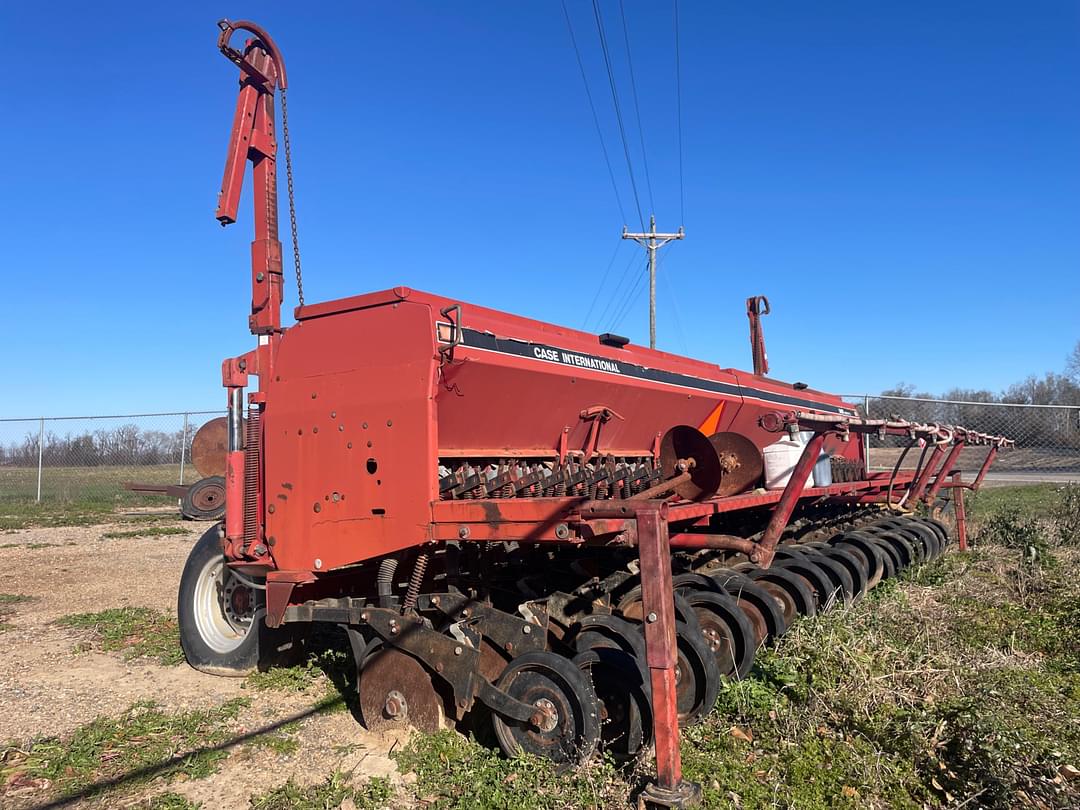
(205, 499)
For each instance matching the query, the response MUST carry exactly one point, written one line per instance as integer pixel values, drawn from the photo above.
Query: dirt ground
(48, 687)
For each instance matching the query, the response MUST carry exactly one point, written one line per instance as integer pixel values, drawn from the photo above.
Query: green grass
(145, 531)
(115, 754)
(169, 801)
(328, 668)
(1031, 500)
(453, 772)
(137, 632)
(329, 793)
(77, 496)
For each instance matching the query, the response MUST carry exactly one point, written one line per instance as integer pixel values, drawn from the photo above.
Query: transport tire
(204, 500)
(222, 631)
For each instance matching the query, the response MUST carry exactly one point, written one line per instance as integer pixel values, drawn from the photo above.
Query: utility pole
(651, 241)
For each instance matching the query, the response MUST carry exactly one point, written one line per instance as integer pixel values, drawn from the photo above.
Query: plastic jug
(822, 474)
(780, 460)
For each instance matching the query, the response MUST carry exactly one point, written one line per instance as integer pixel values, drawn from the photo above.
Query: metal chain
(292, 201)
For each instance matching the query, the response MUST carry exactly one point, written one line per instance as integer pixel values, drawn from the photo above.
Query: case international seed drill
(558, 535)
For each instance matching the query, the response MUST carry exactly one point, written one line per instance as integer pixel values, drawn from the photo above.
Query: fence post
(183, 449)
(866, 436)
(40, 454)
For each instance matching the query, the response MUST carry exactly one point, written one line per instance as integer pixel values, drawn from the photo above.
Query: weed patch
(118, 753)
(137, 632)
(331, 792)
(452, 772)
(144, 531)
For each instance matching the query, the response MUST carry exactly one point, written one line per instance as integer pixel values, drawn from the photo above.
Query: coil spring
(415, 581)
(252, 453)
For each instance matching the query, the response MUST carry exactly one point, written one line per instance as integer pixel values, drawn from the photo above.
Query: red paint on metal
(658, 610)
(958, 487)
(754, 311)
(917, 489)
(945, 471)
(990, 456)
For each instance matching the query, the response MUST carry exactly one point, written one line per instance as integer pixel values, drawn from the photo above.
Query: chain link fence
(90, 458)
(1047, 436)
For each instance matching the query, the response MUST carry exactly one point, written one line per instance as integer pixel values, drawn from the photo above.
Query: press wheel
(867, 552)
(567, 708)
(727, 630)
(855, 567)
(816, 579)
(793, 586)
(765, 609)
(623, 692)
(610, 632)
(396, 690)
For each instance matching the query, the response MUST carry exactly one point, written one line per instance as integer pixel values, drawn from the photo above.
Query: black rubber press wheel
(623, 690)
(564, 697)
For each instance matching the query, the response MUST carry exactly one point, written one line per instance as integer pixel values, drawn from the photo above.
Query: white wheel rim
(222, 620)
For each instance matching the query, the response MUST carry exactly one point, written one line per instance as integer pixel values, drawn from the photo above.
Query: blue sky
(902, 180)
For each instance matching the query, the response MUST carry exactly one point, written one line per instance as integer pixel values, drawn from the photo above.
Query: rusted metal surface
(659, 622)
(209, 446)
(396, 690)
(756, 307)
(741, 463)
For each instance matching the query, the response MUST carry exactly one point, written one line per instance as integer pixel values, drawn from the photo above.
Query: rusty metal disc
(204, 500)
(397, 691)
(741, 462)
(683, 442)
(209, 446)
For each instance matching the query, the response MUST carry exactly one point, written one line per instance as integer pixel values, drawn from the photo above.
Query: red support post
(658, 608)
(958, 487)
(757, 306)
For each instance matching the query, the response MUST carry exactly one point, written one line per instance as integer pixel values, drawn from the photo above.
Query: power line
(619, 288)
(637, 106)
(618, 109)
(628, 306)
(603, 281)
(595, 117)
(678, 106)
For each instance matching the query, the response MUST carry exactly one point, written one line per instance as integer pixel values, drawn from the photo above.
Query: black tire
(204, 500)
(233, 642)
